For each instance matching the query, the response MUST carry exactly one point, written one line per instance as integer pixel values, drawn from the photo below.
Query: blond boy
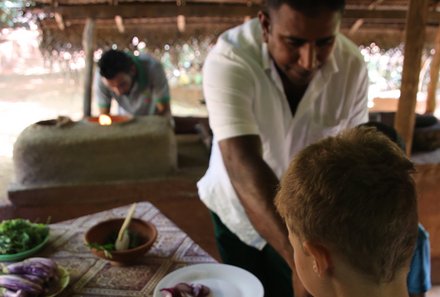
(349, 203)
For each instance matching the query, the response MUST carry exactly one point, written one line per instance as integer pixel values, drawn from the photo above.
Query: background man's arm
(102, 95)
(161, 93)
(104, 110)
(163, 109)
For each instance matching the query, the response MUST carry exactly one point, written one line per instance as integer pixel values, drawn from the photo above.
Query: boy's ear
(322, 260)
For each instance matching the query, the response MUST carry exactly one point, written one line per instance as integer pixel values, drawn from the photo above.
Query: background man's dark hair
(390, 132)
(308, 6)
(113, 62)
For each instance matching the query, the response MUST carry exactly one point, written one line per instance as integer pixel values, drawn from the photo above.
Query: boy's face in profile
(307, 268)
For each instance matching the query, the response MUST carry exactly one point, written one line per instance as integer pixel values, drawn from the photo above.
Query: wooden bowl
(101, 232)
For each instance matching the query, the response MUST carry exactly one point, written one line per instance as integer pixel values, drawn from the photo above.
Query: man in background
(137, 83)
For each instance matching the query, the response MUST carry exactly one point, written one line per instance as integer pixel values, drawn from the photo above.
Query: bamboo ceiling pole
(414, 42)
(88, 45)
(433, 75)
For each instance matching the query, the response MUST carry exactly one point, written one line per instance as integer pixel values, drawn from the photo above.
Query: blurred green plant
(11, 12)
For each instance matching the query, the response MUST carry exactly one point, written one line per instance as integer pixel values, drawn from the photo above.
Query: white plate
(223, 280)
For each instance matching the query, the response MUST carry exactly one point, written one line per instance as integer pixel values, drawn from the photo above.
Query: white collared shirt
(245, 96)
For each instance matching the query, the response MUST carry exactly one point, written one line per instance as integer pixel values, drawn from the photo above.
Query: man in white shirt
(272, 86)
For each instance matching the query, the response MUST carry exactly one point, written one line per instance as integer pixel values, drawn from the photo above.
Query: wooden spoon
(123, 239)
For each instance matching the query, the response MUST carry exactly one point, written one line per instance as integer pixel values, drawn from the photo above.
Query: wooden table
(93, 276)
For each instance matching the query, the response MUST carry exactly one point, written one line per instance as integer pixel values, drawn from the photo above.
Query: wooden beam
(191, 9)
(120, 23)
(181, 23)
(433, 75)
(60, 21)
(157, 9)
(414, 42)
(390, 15)
(151, 10)
(359, 22)
(88, 45)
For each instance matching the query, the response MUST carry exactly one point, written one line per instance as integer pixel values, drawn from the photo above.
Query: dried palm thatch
(168, 22)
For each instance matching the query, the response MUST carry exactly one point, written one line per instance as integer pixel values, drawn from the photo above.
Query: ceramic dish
(56, 286)
(222, 280)
(24, 254)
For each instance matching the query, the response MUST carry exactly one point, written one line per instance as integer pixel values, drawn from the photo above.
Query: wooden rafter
(190, 9)
(359, 22)
(181, 23)
(151, 10)
(120, 23)
(60, 21)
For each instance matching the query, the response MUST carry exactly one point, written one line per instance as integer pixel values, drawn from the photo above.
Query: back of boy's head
(354, 194)
(390, 132)
(113, 62)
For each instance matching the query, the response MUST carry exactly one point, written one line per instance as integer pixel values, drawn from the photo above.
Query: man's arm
(161, 91)
(103, 95)
(256, 184)
(163, 109)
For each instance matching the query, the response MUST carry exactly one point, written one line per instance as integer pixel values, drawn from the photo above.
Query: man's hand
(163, 109)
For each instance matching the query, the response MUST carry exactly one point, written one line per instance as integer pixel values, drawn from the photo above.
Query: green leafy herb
(109, 245)
(107, 248)
(19, 235)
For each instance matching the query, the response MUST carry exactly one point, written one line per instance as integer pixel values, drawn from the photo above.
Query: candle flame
(105, 120)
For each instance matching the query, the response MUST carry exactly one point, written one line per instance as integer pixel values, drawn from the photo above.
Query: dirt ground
(25, 100)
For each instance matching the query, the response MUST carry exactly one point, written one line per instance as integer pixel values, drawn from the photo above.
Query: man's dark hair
(308, 6)
(113, 62)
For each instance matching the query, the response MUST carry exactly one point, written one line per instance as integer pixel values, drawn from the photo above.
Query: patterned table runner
(93, 276)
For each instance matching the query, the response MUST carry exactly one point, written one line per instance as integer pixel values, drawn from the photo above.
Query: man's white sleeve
(229, 92)
(359, 112)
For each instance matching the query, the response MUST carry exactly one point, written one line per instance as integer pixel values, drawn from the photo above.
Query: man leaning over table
(272, 86)
(137, 83)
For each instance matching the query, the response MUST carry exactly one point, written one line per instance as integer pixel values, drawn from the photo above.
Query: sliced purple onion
(185, 289)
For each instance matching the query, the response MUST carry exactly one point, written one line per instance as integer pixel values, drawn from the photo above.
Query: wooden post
(433, 75)
(414, 42)
(88, 45)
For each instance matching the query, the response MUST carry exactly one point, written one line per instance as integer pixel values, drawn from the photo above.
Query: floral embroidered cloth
(93, 276)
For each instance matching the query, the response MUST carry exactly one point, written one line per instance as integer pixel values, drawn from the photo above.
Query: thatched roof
(156, 21)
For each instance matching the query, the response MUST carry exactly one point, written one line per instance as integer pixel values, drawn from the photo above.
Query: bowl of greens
(20, 238)
(101, 240)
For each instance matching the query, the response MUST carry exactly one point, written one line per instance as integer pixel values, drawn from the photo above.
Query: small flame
(105, 120)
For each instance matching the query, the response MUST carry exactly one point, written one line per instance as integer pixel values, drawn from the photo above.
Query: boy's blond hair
(354, 194)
